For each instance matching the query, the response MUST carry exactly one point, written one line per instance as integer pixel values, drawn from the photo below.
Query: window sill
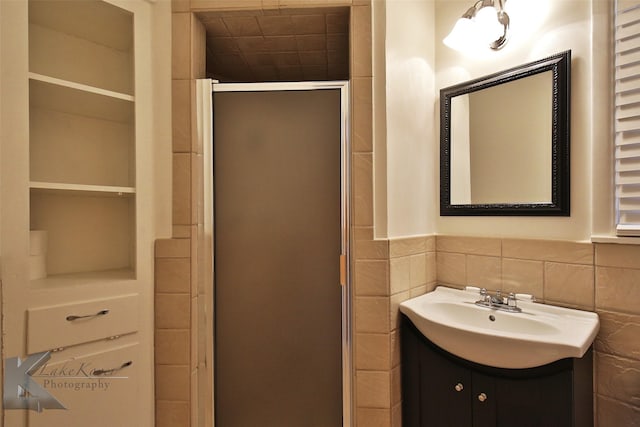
(616, 240)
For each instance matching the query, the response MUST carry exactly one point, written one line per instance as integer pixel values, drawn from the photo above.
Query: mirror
(504, 142)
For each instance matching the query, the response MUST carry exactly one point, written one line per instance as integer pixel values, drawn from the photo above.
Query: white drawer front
(58, 326)
(97, 388)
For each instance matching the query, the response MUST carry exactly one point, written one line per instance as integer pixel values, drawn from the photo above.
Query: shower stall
(280, 212)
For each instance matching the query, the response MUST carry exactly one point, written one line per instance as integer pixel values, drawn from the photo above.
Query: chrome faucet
(498, 302)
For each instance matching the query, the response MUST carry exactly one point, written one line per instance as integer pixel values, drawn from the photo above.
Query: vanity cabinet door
(533, 402)
(445, 391)
(485, 401)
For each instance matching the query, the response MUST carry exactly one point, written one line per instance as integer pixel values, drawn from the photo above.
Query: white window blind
(627, 116)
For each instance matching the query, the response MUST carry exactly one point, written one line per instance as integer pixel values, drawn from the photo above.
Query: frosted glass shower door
(277, 212)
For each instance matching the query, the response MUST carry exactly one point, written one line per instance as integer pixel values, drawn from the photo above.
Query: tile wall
(183, 366)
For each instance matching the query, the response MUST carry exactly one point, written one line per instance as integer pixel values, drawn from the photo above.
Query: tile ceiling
(278, 45)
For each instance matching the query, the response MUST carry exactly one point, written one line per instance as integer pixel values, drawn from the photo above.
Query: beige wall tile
(372, 278)
(172, 414)
(181, 200)
(173, 382)
(484, 271)
(399, 274)
(420, 290)
(618, 289)
(396, 415)
(618, 378)
(569, 283)
(181, 115)
(172, 311)
(180, 5)
(363, 233)
(407, 246)
(619, 334)
(432, 272)
(371, 249)
(362, 189)
(172, 275)
(469, 245)
(394, 308)
(181, 231)
(548, 250)
(611, 413)
(361, 118)
(172, 346)
(373, 352)
(173, 248)
(198, 49)
(418, 264)
(372, 314)
(226, 4)
(373, 389)
(371, 417)
(180, 45)
(430, 243)
(451, 268)
(624, 256)
(361, 65)
(396, 387)
(523, 276)
(395, 348)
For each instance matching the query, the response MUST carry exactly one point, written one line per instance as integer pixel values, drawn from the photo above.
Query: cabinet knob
(459, 387)
(482, 397)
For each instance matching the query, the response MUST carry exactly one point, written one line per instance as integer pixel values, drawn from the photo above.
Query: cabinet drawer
(58, 326)
(98, 387)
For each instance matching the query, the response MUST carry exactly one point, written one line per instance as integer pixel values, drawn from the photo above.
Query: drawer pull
(71, 318)
(99, 372)
(482, 397)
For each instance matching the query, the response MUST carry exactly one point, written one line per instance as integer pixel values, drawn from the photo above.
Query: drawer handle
(87, 316)
(482, 397)
(99, 372)
(459, 387)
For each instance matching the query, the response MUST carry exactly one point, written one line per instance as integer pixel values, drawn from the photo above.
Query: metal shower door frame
(345, 214)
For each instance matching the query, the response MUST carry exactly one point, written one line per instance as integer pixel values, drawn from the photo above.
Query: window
(627, 117)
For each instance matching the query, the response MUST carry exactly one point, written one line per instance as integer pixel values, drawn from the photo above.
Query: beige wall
(536, 32)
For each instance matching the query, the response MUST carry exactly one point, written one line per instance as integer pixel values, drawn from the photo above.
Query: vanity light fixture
(484, 24)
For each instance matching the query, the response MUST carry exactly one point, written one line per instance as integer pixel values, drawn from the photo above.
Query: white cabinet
(76, 123)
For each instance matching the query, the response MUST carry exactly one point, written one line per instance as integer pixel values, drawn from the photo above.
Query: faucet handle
(512, 301)
(483, 291)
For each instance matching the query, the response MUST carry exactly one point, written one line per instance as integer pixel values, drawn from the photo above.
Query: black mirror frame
(560, 66)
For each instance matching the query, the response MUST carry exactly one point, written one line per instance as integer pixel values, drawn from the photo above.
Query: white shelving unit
(82, 139)
(76, 154)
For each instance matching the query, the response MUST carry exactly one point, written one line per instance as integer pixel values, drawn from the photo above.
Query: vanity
(477, 382)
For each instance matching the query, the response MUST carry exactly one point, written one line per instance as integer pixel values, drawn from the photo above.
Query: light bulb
(488, 26)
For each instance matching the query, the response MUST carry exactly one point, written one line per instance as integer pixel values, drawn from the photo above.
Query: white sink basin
(538, 335)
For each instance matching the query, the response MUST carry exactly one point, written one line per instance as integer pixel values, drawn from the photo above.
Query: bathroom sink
(537, 335)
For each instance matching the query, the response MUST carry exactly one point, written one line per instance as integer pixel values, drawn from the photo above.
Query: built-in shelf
(80, 86)
(49, 94)
(81, 189)
(85, 278)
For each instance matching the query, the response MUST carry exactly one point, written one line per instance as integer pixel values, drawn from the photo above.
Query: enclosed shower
(280, 211)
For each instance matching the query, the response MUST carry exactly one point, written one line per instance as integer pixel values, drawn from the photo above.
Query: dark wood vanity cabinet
(442, 390)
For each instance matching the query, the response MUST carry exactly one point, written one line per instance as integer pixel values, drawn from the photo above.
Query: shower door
(280, 230)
